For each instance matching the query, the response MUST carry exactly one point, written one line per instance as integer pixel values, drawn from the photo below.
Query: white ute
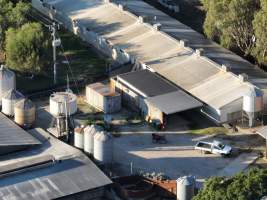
(215, 147)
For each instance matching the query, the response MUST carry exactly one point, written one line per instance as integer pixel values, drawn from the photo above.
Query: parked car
(214, 147)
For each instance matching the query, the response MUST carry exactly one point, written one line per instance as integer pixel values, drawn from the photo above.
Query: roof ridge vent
(200, 52)
(243, 77)
(183, 43)
(142, 19)
(226, 68)
(157, 26)
(121, 7)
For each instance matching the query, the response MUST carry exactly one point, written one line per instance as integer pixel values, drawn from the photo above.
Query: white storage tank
(253, 101)
(24, 112)
(185, 188)
(253, 104)
(103, 147)
(7, 80)
(89, 133)
(58, 105)
(9, 100)
(79, 137)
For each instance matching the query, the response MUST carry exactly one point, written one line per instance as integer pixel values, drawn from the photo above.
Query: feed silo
(89, 133)
(7, 80)
(253, 104)
(185, 188)
(59, 101)
(103, 148)
(24, 112)
(79, 137)
(9, 100)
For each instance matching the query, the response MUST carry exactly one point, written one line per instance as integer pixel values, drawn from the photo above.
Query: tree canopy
(243, 186)
(26, 48)
(230, 23)
(260, 29)
(11, 15)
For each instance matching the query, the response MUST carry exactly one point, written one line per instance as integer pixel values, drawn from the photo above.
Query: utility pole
(55, 43)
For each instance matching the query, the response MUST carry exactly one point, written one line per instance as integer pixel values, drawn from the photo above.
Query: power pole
(55, 43)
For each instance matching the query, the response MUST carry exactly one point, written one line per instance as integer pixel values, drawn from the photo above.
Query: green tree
(230, 22)
(260, 29)
(11, 15)
(243, 186)
(26, 48)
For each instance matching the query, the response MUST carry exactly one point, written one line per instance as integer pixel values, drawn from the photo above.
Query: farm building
(47, 169)
(155, 97)
(229, 87)
(103, 98)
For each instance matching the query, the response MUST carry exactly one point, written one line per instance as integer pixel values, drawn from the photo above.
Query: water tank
(89, 133)
(79, 137)
(58, 105)
(9, 100)
(253, 101)
(185, 188)
(7, 80)
(103, 143)
(24, 112)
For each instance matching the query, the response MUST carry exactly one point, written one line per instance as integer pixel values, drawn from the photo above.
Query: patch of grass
(85, 64)
(210, 131)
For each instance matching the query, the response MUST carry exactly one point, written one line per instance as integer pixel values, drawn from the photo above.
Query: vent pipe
(183, 43)
(157, 26)
(199, 52)
(243, 77)
(226, 68)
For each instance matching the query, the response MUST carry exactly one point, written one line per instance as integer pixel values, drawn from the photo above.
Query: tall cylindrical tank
(253, 104)
(185, 188)
(7, 81)
(253, 101)
(89, 133)
(79, 137)
(9, 100)
(59, 101)
(103, 144)
(24, 112)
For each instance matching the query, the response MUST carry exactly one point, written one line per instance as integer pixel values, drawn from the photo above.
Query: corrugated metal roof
(54, 181)
(147, 82)
(72, 173)
(174, 102)
(161, 51)
(194, 39)
(102, 89)
(12, 135)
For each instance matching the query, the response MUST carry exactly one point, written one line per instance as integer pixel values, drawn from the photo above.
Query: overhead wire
(61, 46)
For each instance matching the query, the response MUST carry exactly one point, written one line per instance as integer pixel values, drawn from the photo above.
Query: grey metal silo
(185, 188)
(103, 147)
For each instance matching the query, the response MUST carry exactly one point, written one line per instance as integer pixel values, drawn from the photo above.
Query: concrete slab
(174, 159)
(239, 164)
